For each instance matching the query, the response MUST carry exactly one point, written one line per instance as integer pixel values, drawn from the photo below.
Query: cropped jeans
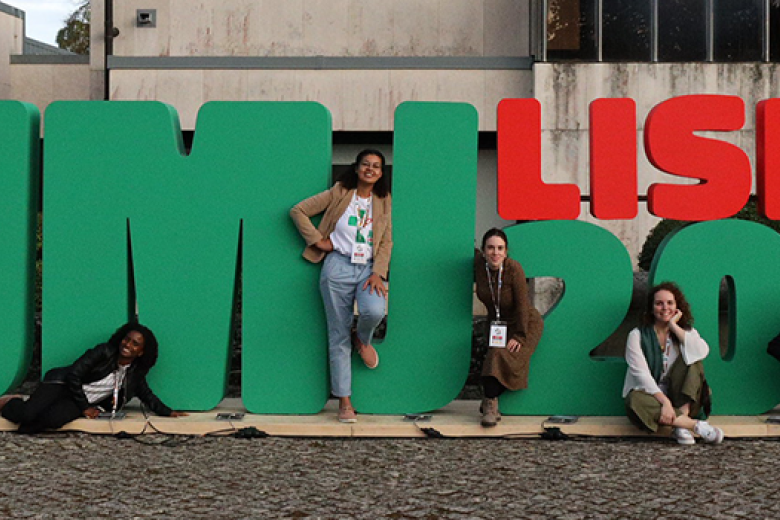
(341, 285)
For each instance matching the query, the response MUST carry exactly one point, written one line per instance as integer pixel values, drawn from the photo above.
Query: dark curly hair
(145, 362)
(686, 321)
(349, 179)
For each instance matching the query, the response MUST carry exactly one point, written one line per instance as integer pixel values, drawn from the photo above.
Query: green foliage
(663, 228)
(75, 35)
(654, 239)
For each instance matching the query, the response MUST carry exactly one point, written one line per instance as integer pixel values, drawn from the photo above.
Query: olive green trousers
(685, 387)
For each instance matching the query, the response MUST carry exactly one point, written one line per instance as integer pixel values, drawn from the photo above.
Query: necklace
(662, 337)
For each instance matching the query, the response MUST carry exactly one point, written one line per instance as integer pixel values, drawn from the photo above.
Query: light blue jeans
(341, 284)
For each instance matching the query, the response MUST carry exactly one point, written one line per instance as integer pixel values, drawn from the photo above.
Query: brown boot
(490, 413)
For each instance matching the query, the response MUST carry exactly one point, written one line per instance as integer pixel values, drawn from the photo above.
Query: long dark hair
(686, 321)
(145, 362)
(349, 179)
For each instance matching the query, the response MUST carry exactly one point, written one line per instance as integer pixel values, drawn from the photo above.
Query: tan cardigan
(334, 203)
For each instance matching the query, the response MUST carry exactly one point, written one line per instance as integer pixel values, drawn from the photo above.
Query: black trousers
(49, 407)
(491, 387)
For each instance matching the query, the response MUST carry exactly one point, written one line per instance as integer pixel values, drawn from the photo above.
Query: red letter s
(672, 147)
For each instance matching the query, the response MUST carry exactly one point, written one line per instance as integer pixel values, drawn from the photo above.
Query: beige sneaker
(490, 413)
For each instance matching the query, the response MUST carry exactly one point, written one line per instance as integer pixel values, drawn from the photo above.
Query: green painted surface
(598, 279)
(19, 164)
(285, 358)
(425, 358)
(697, 257)
(113, 164)
(250, 161)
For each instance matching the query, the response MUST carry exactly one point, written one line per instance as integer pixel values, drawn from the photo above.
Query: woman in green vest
(665, 383)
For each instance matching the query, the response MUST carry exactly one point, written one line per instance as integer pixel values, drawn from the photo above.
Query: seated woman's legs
(49, 407)
(685, 387)
(491, 387)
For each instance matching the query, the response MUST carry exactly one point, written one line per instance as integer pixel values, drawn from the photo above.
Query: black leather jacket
(95, 364)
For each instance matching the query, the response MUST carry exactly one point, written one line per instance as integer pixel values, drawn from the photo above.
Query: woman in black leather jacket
(103, 379)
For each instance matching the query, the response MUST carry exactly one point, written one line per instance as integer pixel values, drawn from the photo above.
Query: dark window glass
(738, 30)
(682, 30)
(571, 30)
(626, 29)
(774, 30)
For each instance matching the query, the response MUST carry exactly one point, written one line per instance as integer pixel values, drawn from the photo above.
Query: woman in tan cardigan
(515, 325)
(354, 238)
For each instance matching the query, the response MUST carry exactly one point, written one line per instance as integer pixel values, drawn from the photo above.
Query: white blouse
(638, 377)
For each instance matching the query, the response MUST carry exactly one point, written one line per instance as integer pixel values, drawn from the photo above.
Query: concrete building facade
(361, 58)
(35, 72)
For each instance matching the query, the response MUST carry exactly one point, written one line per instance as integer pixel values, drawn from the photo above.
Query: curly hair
(349, 179)
(149, 358)
(686, 321)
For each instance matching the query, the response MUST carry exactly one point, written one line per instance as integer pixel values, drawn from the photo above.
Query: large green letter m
(127, 212)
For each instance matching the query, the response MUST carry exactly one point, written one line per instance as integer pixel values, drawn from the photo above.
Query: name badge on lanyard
(497, 334)
(498, 328)
(359, 253)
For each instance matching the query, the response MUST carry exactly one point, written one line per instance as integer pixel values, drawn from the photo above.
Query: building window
(662, 30)
(774, 30)
(571, 30)
(626, 30)
(682, 30)
(738, 30)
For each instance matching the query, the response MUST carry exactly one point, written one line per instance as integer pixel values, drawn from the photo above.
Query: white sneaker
(709, 434)
(683, 436)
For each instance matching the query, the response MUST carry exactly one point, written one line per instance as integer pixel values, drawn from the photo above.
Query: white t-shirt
(99, 390)
(355, 225)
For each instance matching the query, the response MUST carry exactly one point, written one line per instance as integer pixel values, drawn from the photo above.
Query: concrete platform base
(458, 419)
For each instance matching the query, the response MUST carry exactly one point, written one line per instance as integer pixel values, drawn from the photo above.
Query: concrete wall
(11, 42)
(97, 50)
(38, 79)
(41, 84)
(566, 90)
(325, 27)
(359, 100)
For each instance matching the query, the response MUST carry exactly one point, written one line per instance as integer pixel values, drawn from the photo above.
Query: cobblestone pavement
(81, 476)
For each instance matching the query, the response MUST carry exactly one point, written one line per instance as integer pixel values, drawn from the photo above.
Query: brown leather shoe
(367, 352)
(490, 413)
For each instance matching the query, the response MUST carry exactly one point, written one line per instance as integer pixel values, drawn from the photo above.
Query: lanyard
(119, 377)
(496, 299)
(363, 213)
